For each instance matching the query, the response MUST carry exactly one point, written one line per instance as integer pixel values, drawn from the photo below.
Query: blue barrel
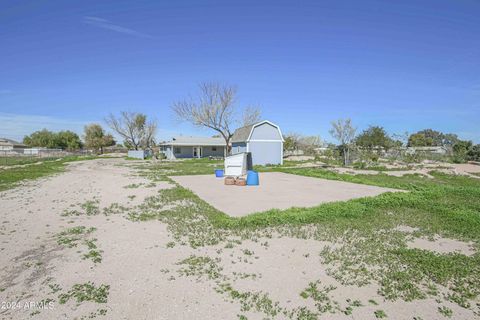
(252, 178)
(218, 173)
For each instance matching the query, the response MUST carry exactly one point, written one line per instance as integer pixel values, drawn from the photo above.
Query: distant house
(10, 145)
(263, 140)
(184, 147)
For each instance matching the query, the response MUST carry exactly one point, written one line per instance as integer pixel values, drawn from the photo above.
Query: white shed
(263, 140)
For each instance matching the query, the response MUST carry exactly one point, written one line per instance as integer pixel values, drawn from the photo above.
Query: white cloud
(106, 24)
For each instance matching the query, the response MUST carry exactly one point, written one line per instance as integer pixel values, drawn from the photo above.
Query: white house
(10, 145)
(183, 147)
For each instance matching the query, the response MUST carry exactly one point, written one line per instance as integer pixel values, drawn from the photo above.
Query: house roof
(194, 141)
(10, 142)
(243, 134)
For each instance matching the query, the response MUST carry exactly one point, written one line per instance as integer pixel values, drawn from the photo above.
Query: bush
(473, 154)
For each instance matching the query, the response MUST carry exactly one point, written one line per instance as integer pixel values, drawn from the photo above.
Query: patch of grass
(188, 167)
(134, 159)
(256, 301)
(89, 208)
(247, 252)
(115, 208)
(21, 160)
(320, 297)
(445, 311)
(351, 304)
(11, 177)
(186, 215)
(93, 253)
(72, 237)
(54, 287)
(86, 292)
(380, 314)
(199, 267)
(451, 270)
(133, 186)
(92, 315)
(369, 250)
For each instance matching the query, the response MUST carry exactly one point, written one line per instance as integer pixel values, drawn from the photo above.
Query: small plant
(94, 255)
(200, 266)
(320, 296)
(114, 208)
(55, 288)
(86, 292)
(72, 237)
(133, 186)
(91, 207)
(380, 314)
(247, 252)
(445, 311)
(375, 303)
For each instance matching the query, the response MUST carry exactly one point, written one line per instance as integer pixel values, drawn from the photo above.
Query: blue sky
(405, 65)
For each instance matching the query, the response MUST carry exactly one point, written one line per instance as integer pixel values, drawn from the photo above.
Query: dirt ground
(276, 190)
(141, 263)
(448, 168)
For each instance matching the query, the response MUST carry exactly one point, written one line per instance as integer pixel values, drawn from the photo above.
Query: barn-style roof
(243, 134)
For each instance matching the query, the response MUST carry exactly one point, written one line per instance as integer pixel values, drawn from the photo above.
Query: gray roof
(8, 142)
(242, 134)
(194, 141)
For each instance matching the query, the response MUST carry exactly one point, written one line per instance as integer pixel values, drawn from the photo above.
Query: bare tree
(344, 132)
(251, 115)
(134, 128)
(309, 144)
(306, 144)
(292, 141)
(214, 109)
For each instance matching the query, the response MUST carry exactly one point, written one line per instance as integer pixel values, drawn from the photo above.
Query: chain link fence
(19, 156)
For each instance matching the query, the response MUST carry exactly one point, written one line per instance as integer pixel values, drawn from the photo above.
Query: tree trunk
(345, 156)
(228, 147)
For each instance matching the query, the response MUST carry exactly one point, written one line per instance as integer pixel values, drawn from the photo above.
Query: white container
(236, 165)
(136, 154)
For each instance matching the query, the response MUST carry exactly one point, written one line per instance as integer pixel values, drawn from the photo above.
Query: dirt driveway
(70, 249)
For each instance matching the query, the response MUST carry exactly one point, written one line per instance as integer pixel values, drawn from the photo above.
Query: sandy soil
(140, 267)
(276, 191)
(449, 168)
(442, 245)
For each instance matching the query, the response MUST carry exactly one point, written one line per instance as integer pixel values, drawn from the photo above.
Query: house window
(177, 150)
(214, 148)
